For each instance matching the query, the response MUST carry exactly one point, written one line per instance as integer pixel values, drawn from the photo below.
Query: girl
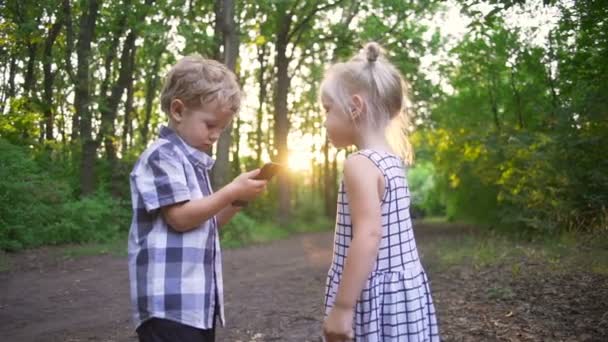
(376, 281)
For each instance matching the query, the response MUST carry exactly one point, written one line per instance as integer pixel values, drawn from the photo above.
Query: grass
(115, 247)
(268, 231)
(4, 262)
(482, 249)
(479, 251)
(559, 253)
(434, 219)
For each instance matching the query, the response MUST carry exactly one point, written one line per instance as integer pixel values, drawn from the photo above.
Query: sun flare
(299, 160)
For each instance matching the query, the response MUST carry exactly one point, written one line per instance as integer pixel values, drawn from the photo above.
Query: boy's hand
(245, 188)
(338, 326)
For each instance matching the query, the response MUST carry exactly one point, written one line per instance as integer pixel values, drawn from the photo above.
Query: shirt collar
(195, 156)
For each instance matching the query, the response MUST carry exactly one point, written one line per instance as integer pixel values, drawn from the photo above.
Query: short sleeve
(160, 179)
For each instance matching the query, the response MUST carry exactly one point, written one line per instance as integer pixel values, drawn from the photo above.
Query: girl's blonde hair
(198, 81)
(370, 75)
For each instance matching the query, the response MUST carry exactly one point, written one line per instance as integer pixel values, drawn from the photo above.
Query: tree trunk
(82, 97)
(517, 94)
(10, 91)
(127, 127)
(262, 50)
(492, 96)
(29, 79)
(116, 34)
(69, 48)
(281, 122)
(551, 81)
(221, 171)
(218, 30)
(152, 81)
(11, 78)
(108, 113)
(49, 77)
(236, 161)
(330, 205)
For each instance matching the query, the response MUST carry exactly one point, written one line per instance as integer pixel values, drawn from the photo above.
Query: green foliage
(256, 222)
(238, 231)
(520, 142)
(37, 207)
(426, 196)
(20, 124)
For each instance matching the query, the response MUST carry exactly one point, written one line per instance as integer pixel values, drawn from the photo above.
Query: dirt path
(274, 293)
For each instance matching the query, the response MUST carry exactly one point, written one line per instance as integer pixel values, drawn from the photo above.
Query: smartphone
(266, 173)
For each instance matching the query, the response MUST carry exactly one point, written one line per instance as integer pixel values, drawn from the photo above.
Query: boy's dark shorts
(164, 330)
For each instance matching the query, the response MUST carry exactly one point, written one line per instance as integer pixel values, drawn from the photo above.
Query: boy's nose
(214, 137)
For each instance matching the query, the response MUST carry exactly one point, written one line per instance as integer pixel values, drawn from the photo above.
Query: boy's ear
(176, 110)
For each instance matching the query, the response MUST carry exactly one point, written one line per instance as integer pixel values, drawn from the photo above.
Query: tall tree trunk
(108, 114)
(236, 151)
(551, 81)
(10, 86)
(69, 48)
(49, 77)
(517, 95)
(330, 205)
(30, 78)
(314, 184)
(152, 81)
(116, 34)
(281, 122)
(334, 183)
(110, 108)
(218, 30)
(221, 172)
(492, 96)
(127, 127)
(82, 97)
(262, 50)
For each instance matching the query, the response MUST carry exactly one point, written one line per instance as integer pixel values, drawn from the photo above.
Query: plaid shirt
(173, 275)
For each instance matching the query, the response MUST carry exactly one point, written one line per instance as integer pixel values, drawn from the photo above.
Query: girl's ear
(176, 110)
(357, 108)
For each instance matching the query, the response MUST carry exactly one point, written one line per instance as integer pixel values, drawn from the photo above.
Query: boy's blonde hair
(385, 92)
(198, 81)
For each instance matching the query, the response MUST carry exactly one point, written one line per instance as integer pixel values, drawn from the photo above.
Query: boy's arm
(188, 215)
(364, 201)
(226, 214)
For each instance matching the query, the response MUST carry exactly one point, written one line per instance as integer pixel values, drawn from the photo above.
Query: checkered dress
(173, 275)
(396, 303)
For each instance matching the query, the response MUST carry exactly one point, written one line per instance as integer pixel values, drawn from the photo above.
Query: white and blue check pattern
(173, 275)
(396, 303)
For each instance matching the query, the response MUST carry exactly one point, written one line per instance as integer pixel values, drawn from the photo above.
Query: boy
(175, 266)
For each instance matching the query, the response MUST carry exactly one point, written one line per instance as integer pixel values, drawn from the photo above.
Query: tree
(230, 34)
(82, 98)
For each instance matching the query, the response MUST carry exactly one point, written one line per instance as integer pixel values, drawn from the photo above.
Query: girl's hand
(338, 326)
(245, 188)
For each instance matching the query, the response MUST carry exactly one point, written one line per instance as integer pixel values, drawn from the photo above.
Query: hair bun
(372, 51)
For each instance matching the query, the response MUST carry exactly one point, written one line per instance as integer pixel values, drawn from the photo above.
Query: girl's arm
(365, 187)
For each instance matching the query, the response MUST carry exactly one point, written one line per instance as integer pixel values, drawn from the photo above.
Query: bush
(425, 194)
(37, 207)
(238, 231)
